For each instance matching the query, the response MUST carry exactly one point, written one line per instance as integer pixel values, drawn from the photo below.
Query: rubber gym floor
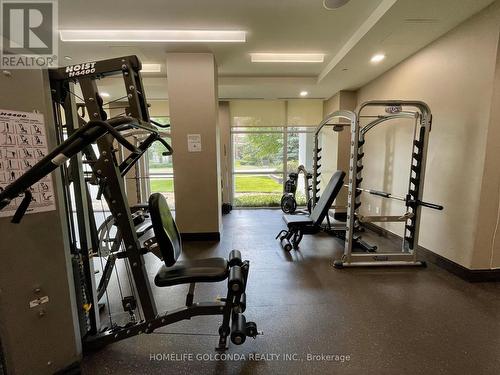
(318, 319)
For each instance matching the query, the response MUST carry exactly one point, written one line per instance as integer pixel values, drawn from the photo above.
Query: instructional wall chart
(23, 143)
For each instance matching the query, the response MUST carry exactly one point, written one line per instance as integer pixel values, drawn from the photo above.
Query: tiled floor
(388, 321)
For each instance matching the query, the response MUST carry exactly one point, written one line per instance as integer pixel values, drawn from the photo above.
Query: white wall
(487, 244)
(455, 76)
(158, 108)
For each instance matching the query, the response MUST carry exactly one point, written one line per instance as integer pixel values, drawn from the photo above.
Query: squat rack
(342, 115)
(421, 113)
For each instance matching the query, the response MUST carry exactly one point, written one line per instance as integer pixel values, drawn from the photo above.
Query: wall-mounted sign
(23, 143)
(194, 142)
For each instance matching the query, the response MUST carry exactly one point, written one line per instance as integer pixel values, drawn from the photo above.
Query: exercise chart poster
(23, 143)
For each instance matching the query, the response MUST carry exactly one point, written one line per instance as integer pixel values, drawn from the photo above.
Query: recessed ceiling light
(377, 58)
(152, 36)
(334, 4)
(104, 94)
(304, 93)
(288, 57)
(151, 68)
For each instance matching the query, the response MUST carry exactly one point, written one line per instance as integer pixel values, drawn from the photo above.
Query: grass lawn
(257, 200)
(163, 185)
(244, 184)
(251, 191)
(257, 184)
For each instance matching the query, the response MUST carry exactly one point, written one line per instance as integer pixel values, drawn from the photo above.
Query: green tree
(156, 158)
(262, 149)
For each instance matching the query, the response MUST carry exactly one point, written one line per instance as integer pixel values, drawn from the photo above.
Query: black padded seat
(193, 271)
(298, 225)
(297, 220)
(319, 212)
(168, 239)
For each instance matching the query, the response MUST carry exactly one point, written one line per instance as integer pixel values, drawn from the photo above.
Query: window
(300, 145)
(261, 163)
(161, 171)
(257, 166)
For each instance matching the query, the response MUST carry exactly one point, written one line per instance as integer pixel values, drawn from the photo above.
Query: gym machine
(337, 120)
(298, 225)
(288, 200)
(137, 230)
(312, 179)
(350, 228)
(394, 109)
(320, 205)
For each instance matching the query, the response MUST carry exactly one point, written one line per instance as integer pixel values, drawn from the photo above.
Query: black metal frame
(3, 366)
(291, 237)
(228, 307)
(288, 201)
(108, 174)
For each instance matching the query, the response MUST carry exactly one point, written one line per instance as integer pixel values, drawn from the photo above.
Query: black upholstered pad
(193, 271)
(297, 220)
(321, 209)
(332, 189)
(166, 232)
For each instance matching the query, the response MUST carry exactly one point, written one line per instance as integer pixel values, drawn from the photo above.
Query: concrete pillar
(329, 144)
(35, 259)
(226, 159)
(192, 92)
(345, 100)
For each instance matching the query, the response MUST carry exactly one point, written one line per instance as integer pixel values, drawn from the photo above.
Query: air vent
(421, 20)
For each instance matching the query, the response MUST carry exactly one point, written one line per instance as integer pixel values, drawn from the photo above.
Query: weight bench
(169, 242)
(298, 225)
(164, 240)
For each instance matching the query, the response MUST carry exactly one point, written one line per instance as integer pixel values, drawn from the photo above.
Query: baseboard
(201, 236)
(72, 369)
(473, 276)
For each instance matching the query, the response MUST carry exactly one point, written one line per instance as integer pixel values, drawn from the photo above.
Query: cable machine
(126, 233)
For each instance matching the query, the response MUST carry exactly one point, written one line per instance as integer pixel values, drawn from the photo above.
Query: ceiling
(348, 37)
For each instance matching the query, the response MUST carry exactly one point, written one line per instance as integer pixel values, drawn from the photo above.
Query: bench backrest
(166, 232)
(331, 191)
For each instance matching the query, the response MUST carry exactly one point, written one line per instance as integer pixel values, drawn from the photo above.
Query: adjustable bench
(298, 225)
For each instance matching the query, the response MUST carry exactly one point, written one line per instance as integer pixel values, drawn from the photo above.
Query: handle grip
(431, 205)
(159, 125)
(120, 139)
(380, 193)
(170, 151)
